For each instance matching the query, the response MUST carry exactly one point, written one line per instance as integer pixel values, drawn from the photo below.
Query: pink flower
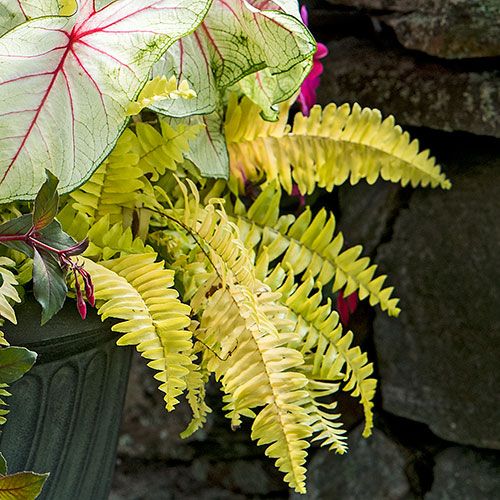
(307, 96)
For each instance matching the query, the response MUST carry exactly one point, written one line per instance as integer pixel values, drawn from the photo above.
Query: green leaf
(54, 236)
(14, 363)
(49, 285)
(235, 40)
(22, 485)
(3, 465)
(18, 226)
(51, 235)
(46, 202)
(66, 83)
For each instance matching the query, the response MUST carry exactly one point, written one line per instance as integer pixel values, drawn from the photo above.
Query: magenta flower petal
(307, 95)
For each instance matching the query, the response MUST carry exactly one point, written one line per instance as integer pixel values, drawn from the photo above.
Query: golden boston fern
(254, 284)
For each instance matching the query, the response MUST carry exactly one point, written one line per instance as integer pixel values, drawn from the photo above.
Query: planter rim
(64, 335)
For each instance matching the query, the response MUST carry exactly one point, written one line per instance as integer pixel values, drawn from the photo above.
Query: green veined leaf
(49, 285)
(46, 202)
(235, 40)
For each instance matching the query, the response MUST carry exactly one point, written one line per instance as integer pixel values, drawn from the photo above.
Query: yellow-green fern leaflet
(8, 294)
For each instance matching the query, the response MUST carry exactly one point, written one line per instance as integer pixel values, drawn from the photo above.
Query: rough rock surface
(465, 473)
(438, 361)
(417, 91)
(373, 468)
(148, 432)
(366, 211)
(443, 28)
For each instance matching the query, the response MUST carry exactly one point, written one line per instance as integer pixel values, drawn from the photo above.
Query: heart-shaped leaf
(22, 485)
(66, 83)
(236, 39)
(49, 285)
(14, 363)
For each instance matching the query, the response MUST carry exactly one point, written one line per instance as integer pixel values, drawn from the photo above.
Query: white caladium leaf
(236, 39)
(208, 150)
(267, 90)
(289, 6)
(66, 82)
(39, 8)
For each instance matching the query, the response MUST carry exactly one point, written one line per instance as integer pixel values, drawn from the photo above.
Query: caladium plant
(238, 38)
(66, 82)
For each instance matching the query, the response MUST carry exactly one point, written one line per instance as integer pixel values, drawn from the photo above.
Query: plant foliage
(205, 277)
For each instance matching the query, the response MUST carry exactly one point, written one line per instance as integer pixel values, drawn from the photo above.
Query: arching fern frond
(310, 245)
(211, 227)
(325, 149)
(326, 350)
(323, 418)
(158, 89)
(260, 370)
(196, 380)
(138, 290)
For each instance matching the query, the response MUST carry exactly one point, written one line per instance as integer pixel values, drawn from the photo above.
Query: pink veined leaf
(65, 83)
(237, 38)
(261, 45)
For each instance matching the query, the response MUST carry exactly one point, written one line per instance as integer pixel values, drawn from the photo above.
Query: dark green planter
(65, 413)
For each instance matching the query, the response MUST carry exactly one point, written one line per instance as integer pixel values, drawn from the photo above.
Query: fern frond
(196, 381)
(165, 150)
(212, 228)
(8, 292)
(325, 149)
(159, 89)
(115, 188)
(309, 245)
(138, 290)
(259, 369)
(107, 241)
(4, 393)
(323, 419)
(358, 379)
(327, 353)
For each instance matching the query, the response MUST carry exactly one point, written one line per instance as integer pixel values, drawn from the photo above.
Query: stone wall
(433, 64)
